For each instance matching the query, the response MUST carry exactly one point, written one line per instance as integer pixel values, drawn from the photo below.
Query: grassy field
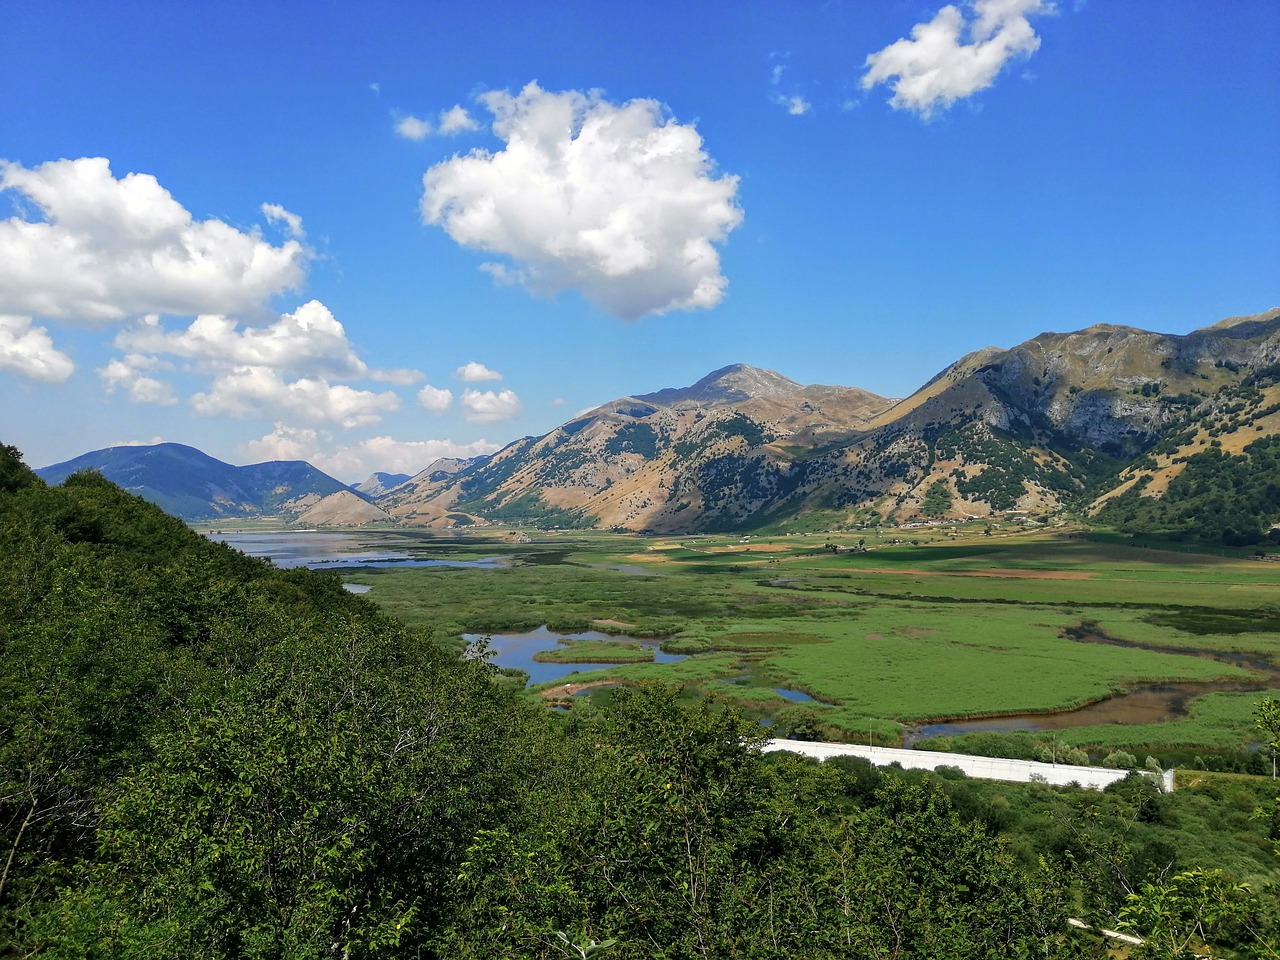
(888, 633)
(595, 651)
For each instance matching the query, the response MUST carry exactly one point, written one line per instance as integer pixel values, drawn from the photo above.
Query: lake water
(517, 649)
(335, 551)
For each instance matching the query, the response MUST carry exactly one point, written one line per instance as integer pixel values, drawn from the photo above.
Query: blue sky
(618, 198)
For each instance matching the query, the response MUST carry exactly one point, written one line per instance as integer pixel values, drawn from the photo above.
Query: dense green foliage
(1217, 498)
(202, 756)
(937, 499)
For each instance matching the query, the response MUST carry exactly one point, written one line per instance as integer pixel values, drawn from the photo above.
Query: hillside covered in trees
(204, 756)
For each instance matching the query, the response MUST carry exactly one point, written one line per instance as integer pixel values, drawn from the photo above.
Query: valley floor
(943, 633)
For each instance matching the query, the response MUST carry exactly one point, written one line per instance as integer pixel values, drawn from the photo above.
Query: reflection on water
(517, 650)
(796, 696)
(356, 587)
(333, 551)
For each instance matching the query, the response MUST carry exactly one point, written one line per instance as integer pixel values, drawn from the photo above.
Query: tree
(937, 500)
(1180, 916)
(322, 808)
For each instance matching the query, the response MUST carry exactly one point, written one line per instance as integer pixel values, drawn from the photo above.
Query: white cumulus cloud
(105, 249)
(451, 122)
(248, 392)
(473, 372)
(434, 398)
(285, 443)
(952, 57)
(127, 376)
(353, 462)
(309, 341)
(488, 406)
(413, 128)
(29, 350)
(617, 201)
(456, 120)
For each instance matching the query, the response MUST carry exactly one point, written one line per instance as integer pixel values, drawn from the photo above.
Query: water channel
(1141, 703)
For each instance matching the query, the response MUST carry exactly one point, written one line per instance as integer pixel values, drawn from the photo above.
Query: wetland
(1097, 643)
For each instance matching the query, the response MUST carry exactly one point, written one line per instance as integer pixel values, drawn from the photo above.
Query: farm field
(888, 639)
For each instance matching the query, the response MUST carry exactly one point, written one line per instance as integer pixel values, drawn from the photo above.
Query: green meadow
(885, 634)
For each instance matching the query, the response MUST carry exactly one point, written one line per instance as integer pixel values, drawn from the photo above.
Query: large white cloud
(488, 406)
(106, 249)
(249, 367)
(616, 201)
(354, 462)
(248, 392)
(29, 350)
(309, 341)
(936, 67)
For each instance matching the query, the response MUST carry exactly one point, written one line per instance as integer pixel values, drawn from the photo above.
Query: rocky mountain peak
(732, 384)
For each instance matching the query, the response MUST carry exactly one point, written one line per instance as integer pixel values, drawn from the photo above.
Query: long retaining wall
(984, 768)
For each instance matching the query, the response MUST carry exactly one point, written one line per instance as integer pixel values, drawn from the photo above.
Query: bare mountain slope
(642, 462)
(1051, 421)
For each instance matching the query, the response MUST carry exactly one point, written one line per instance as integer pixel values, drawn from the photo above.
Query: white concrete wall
(984, 768)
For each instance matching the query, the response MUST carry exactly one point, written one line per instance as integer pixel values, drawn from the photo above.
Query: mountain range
(1104, 420)
(187, 483)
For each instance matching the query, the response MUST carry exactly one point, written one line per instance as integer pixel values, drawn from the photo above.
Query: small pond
(517, 650)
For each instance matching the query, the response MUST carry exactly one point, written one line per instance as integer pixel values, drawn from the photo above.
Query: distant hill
(379, 483)
(187, 483)
(342, 509)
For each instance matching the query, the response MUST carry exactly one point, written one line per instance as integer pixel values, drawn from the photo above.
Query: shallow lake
(325, 550)
(517, 650)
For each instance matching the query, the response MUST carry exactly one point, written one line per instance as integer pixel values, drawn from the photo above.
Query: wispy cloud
(791, 100)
